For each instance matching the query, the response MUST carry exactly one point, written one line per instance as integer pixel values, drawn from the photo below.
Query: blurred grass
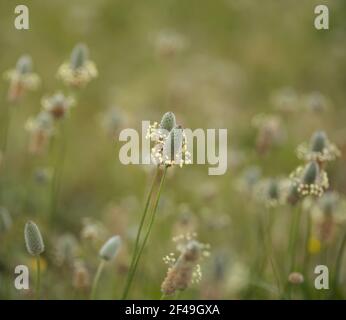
(239, 52)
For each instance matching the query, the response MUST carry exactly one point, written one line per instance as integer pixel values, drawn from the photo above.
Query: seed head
(320, 149)
(310, 180)
(57, 105)
(33, 239)
(110, 249)
(184, 270)
(80, 70)
(21, 78)
(168, 121)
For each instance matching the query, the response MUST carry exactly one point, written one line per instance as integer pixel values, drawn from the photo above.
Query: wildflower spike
(33, 239)
(110, 249)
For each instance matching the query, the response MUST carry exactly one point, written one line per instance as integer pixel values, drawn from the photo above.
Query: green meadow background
(237, 54)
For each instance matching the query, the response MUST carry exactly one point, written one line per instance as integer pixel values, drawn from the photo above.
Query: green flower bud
(79, 56)
(168, 121)
(110, 249)
(33, 239)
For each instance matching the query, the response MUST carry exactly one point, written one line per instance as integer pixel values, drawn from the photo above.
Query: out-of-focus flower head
(111, 120)
(169, 43)
(319, 149)
(92, 231)
(41, 128)
(66, 249)
(316, 102)
(272, 192)
(81, 276)
(185, 269)
(285, 100)
(80, 70)
(327, 213)
(58, 105)
(21, 78)
(270, 132)
(247, 180)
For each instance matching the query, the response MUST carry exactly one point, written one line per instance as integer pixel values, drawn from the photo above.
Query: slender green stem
(59, 165)
(339, 261)
(308, 235)
(38, 277)
(139, 231)
(163, 297)
(7, 124)
(133, 271)
(96, 279)
(295, 236)
(294, 233)
(269, 246)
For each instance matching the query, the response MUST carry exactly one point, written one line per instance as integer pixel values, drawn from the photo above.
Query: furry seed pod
(168, 121)
(110, 249)
(33, 239)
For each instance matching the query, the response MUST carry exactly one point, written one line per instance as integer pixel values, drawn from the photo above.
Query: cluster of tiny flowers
(328, 152)
(21, 78)
(185, 269)
(41, 128)
(270, 131)
(170, 147)
(271, 191)
(79, 71)
(315, 188)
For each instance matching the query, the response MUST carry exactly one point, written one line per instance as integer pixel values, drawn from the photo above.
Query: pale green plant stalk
(57, 175)
(7, 124)
(38, 277)
(141, 224)
(294, 233)
(308, 234)
(97, 278)
(338, 262)
(137, 257)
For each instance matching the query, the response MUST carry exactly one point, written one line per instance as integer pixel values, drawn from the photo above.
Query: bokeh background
(215, 64)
